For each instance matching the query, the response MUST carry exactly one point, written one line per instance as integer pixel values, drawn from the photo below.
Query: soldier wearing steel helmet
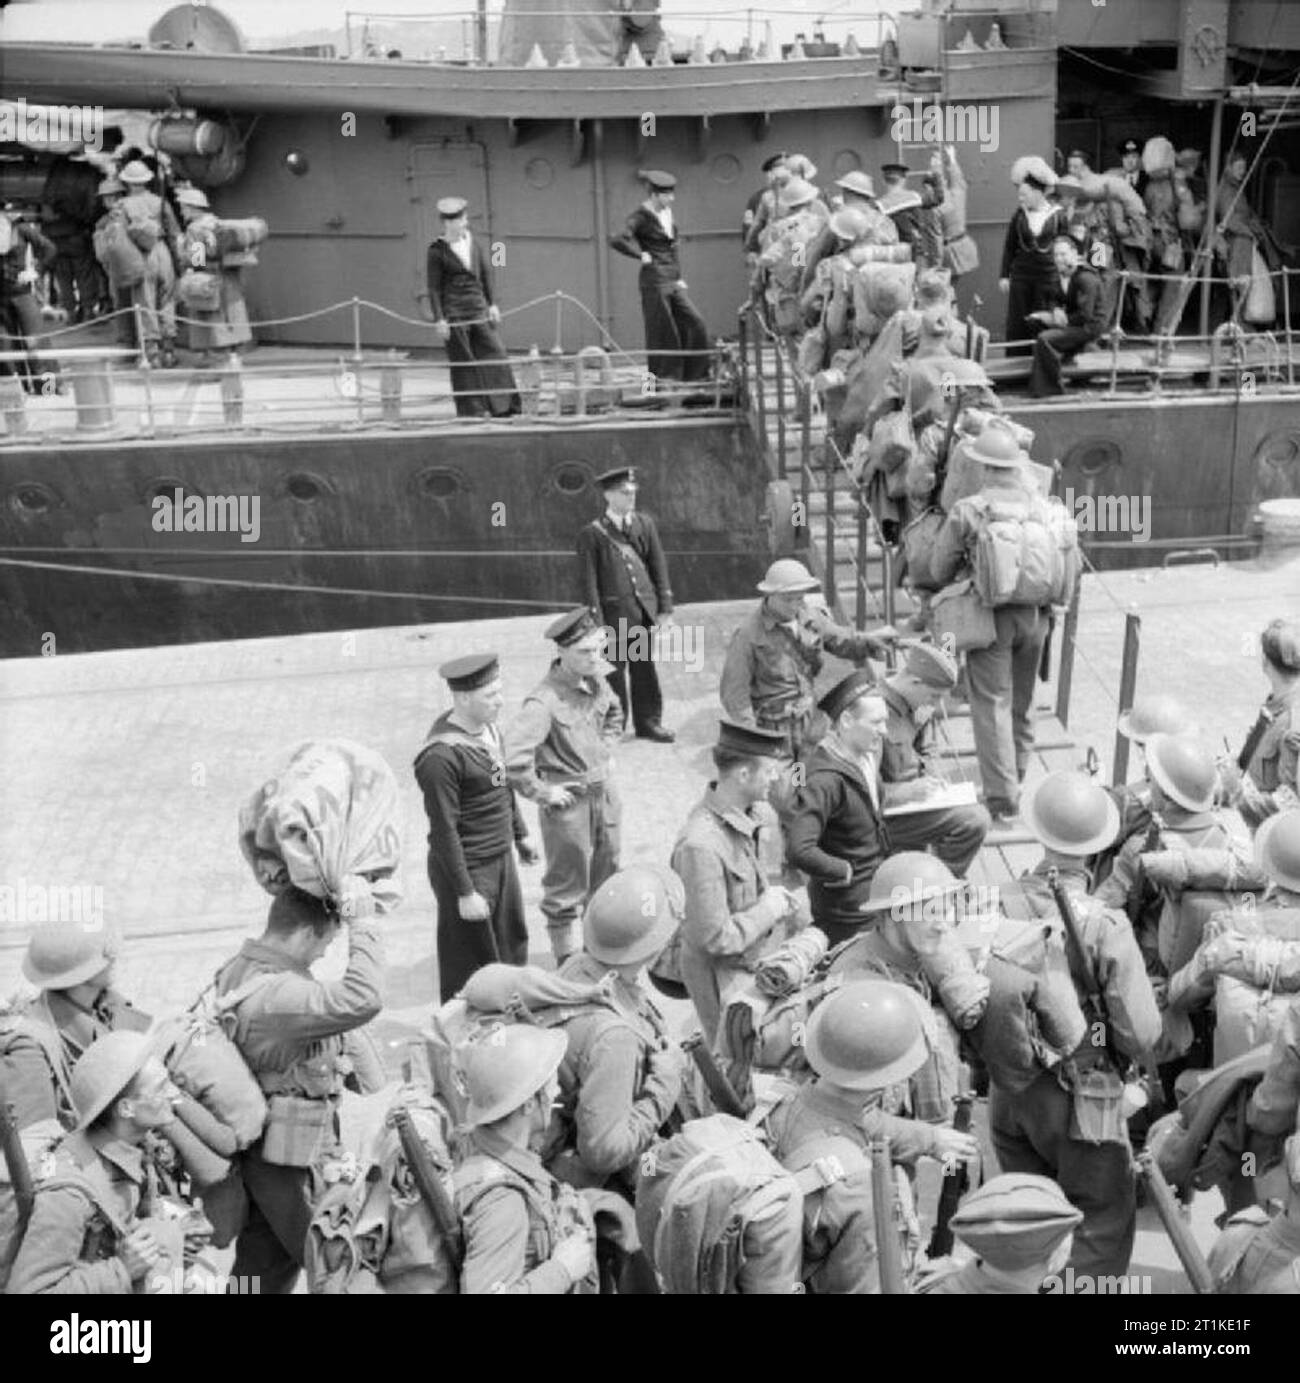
(1020, 1227)
(88, 1231)
(1069, 1122)
(522, 1234)
(867, 1036)
(72, 964)
(621, 1075)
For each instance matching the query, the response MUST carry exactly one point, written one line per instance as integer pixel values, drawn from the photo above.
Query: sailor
(774, 657)
(291, 1033)
(912, 696)
(558, 755)
(1076, 317)
(522, 1235)
(836, 831)
(730, 908)
(1002, 677)
(69, 209)
(72, 964)
(474, 821)
(625, 578)
(152, 225)
(90, 1230)
(1259, 1255)
(466, 317)
(1020, 1227)
(1130, 166)
(867, 1036)
(622, 1074)
(1271, 782)
(1028, 270)
(672, 324)
(1070, 1123)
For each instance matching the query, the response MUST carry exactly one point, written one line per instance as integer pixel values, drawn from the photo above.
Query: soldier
(558, 754)
(730, 908)
(625, 578)
(291, 1033)
(621, 1075)
(1259, 1255)
(73, 967)
(89, 1230)
(876, 228)
(473, 820)
(466, 318)
(1020, 1228)
(762, 204)
(672, 323)
(912, 695)
(520, 1235)
(1069, 1124)
(864, 1038)
(1271, 782)
(1002, 677)
(837, 833)
(774, 657)
(152, 225)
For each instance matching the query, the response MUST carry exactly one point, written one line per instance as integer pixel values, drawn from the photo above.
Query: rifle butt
(888, 1249)
(721, 1091)
(1187, 1249)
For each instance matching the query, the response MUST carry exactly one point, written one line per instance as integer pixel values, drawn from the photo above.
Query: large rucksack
(711, 1201)
(1026, 551)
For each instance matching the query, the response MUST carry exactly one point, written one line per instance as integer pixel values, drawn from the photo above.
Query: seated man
(1078, 318)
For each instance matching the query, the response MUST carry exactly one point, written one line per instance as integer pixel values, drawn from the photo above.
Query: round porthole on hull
(33, 499)
(165, 487)
(304, 486)
(1092, 456)
(441, 483)
(571, 478)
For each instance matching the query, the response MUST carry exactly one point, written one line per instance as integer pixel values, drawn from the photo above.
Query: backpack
(700, 1195)
(1026, 551)
(371, 1231)
(121, 257)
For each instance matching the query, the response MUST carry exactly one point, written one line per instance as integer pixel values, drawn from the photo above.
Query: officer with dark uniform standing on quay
(466, 318)
(474, 820)
(558, 754)
(672, 322)
(625, 578)
(911, 695)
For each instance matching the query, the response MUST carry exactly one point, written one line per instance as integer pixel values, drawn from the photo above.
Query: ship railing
(114, 391)
(472, 38)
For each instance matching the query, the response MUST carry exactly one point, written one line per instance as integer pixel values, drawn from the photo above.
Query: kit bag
(1026, 552)
(960, 619)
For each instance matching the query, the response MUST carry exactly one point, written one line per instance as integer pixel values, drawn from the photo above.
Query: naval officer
(672, 323)
(558, 754)
(473, 821)
(625, 577)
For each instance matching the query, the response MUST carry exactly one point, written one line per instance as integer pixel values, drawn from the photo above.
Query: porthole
(441, 482)
(1279, 450)
(33, 498)
(304, 487)
(725, 168)
(846, 161)
(539, 173)
(571, 478)
(165, 487)
(1092, 456)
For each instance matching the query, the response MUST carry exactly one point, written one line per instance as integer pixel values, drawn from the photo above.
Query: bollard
(92, 395)
(1127, 686)
(390, 389)
(232, 391)
(13, 404)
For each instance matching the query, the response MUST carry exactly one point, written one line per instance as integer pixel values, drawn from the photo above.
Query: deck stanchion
(1286, 323)
(829, 548)
(860, 540)
(1065, 674)
(780, 404)
(1127, 686)
(805, 431)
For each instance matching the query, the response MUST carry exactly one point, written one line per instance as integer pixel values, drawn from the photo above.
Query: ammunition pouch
(1097, 1113)
(296, 1128)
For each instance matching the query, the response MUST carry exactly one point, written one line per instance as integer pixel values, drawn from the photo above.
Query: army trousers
(952, 834)
(1031, 1133)
(1002, 679)
(273, 1242)
(581, 843)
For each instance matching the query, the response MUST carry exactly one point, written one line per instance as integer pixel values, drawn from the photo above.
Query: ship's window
(539, 172)
(304, 487)
(725, 168)
(1093, 456)
(33, 499)
(571, 478)
(166, 487)
(1280, 450)
(846, 161)
(440, 483)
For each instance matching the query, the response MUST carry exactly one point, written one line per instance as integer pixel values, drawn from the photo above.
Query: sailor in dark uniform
(473, 820)
(625, 577)
(671, 320)
(466, 318)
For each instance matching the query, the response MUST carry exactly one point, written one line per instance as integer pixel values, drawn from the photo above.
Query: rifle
(889, 1251)
(1257, 732)
(429, 1184)
(20, 1178)
(956, 1182)
(721, 1091)
(1188, 1251)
